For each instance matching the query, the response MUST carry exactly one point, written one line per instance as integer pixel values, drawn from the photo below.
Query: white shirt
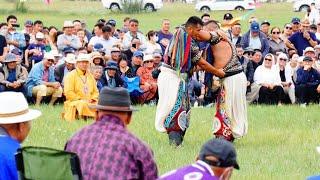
(152, 47)
(254, 42)
(265, 75)
(107, 44)
(94, 40)
(128, 38)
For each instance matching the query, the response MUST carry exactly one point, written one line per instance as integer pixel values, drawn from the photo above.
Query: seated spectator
(216, 160)
(124, 69)
(110, 77)
(57, 56)
(292, 67)
(97, 73)
(307, 84)
(81, 34)
(271, 91)
(247, 66)
(147, 83)
(115, 54)
(256, 58)
(97, 32)
(151, 43)
(81, 90)
(265, 26)
(62, 70)
(97, 59)
(134, 160)
(67, 39)
(12, 75)
(286, 77)
(135, 63)
(287, 32)
(275, 42)
(309, 51)
(41, 81)
(14, 128)
(36, 51)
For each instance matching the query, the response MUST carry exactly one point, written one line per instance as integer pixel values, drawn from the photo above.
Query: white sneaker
(304, 105)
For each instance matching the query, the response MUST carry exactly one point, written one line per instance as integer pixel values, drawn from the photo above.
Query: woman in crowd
(271, 91)
(97, 59)
(52, 37)
(152, 44)
(286, 77)
(83, 39)
(124, 69)
(275, 42)
(287, 32)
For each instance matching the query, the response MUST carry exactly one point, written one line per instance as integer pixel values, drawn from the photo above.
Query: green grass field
(281, 143)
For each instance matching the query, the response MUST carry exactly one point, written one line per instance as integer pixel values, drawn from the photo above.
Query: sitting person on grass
(110, 77)
(81, 90)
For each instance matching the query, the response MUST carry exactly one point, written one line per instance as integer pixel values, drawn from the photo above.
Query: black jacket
(104, 81)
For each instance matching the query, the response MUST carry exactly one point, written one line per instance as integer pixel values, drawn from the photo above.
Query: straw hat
(71, 58)
(83, 57)
(67, 24)
(14, 108)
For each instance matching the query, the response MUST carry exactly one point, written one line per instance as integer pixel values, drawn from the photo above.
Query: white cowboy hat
(67, 24)
(83, 57)
(55, 53)
(71, 58)
(14, 108)
(148, 57)
(48, 55)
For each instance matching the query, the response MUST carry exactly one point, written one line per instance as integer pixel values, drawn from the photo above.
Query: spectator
(157, 57)
(302, 39)
(147, 83)
(12, 75)
(292, 67)
(275, 42)
(286, 77)
(37, 27)
(107, 41)
(14, 38)
(115, 54)
(132, 34)
(97, 59)
(76, 26)
(110, 77)
(97, 35)
(112, 23)
(97, 73)
(271, 91)
(41, 81)
(81, 90)
(313, 28)
(136, 63)
(247, 66)
(216, 160)
(67, 39)
(126, 21)
(28, 27)
(256, 58)
(62, 70)
(81, 34)
(309, 51)
(314, 15)
(125, 70)
(287, 32)
(3, 41)
(307, 84)
(295, 22)
(152, 44)
(265, 26)
(164, 34)
(235, 34)
(205, 17)
(134, 160)
(318, 32)
(14, 128)
(52, 39)
(255, 39)
(36, 51)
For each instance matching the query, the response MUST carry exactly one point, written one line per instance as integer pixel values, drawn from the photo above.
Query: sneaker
(303, 105)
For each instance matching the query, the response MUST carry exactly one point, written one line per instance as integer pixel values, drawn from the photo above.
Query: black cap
(221, 149)
(227, 16)
(307, 58)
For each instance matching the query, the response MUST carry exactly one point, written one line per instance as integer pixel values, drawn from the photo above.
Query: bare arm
(209, 68)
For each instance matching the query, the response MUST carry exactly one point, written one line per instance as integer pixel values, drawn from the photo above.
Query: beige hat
(39, 35)
(83, 57)
(148, 57)
(95, 55)
(71, 58)
(48, 55)
(308, 49)
(68, 24)
(14, 108)
(55, 53)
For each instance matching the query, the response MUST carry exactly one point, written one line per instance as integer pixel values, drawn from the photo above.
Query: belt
(228, 74)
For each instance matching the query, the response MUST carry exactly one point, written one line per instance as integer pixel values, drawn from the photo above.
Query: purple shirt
(107, 150)
(198, 170)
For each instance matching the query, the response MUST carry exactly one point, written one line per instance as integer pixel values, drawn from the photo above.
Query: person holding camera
(14, 38)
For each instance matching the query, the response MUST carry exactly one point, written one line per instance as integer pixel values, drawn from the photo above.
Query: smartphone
(134, 45)
(16, 25)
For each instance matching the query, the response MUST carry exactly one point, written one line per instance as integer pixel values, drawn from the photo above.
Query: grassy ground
(281, 143)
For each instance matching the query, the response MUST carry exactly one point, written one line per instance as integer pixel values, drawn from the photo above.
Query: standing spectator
(62, 70)
(97, 35)
(216, 160)
(302, 39)
(107, 41)
(14, 128)
(132, 34)
(110, 76)
(164, 34)
(152, 44)
(205, 17)
(81, 90)
(287, 32)
(286, 77)
(295, 22)
(3, 41)
(147, 83)
(41, 81)
(12, 75)
(314, 16)
(14, 38)
(255, 39)
(235, 34)
(271, 91)
(35, 51)
(265, 27)
(67, 39)
(132, 158)
(307, 84)
(275, 42)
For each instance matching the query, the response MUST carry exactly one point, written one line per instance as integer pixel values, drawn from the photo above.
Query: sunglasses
(289, 28)
(275, 32)
(267, 59)
(148, 61)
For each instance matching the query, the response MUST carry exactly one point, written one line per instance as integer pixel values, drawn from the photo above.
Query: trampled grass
(281, 143)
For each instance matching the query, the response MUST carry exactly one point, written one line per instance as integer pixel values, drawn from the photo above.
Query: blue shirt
(162, 36)
(19, 37)
(311, 77)
(8, 148)
(12, 76)
(301, 43)
(41, 48)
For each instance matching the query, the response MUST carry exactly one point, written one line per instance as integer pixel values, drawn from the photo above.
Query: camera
(134, 45)
(16, 25)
